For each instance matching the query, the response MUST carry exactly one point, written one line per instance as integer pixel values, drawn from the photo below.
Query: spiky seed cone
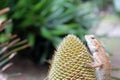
(69, 61)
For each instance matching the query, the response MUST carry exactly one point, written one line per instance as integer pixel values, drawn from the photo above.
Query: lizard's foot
(89, 65)
(93, 65)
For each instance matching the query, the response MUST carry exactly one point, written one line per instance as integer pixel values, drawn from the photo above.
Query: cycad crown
(69, 61)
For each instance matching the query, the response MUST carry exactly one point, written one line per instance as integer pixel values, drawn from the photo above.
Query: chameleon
(102, 61)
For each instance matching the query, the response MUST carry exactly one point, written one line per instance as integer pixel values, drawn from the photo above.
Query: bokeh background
(44, 23)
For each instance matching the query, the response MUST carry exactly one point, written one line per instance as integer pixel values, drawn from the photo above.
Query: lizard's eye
(92, 37)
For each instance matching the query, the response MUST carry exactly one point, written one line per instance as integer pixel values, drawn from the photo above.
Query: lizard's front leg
(97, 61)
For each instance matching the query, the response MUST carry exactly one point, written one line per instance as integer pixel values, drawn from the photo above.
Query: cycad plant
(9, 45)
(69, 61)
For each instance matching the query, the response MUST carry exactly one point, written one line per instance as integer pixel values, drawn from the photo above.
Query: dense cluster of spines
(69, 61)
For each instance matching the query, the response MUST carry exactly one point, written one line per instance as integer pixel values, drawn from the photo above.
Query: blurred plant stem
(9, 44)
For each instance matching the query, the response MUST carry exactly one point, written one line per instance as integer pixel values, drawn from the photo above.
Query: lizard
(100, 57)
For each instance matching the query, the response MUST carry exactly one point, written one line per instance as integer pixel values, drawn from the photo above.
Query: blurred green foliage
(46, 22)
(4, 3)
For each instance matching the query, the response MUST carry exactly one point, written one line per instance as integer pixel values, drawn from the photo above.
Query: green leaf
(4, 3)
(31, 39)
(39, 5)
(65, 29)
(57, 32)
(9, 28)
(56, 14)
(3, 38)
(46, 33)
(56, 40)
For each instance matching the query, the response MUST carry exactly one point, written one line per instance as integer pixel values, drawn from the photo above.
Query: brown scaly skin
(100, 56)
(69, 61)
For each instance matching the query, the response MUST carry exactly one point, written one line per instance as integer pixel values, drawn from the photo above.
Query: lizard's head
(91, 42)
